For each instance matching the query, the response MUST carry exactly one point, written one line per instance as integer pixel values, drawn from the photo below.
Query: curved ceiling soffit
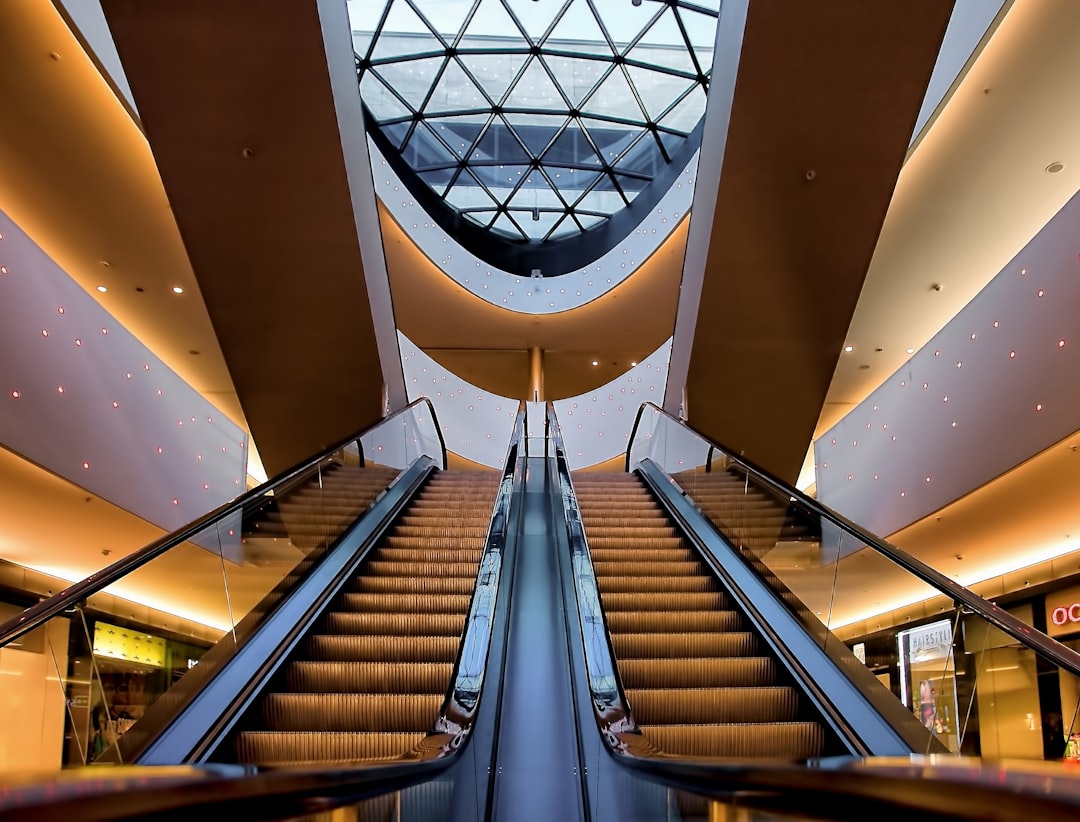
(537, 294)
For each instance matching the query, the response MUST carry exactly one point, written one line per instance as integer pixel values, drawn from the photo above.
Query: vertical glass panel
(685, 115)
(468, 193)
(490, 21)
(579, 32)
(424, 149)
(664, 45)
(499, 146)
(505, 226)
(576, 75)
(381, 102)
(701, 30)
(614, 98)
(572, 148)
(459, 132)
(657, 89)
(536, 223)
(536, 18)
(536, 130)
(454, 91)
(494, 72)
(571, 182)
(404, 33)
(630, 21)
(535, 90)
(611, 139)
(412, 79)
(445, 18)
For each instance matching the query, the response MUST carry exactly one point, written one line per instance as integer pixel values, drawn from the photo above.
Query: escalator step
(697, 672)
(336, 647)
(650, 530)
(674, 621)
(307, 676)
(464, 570)
(395, 713)
(631, 567)
(414, 585)
(417, 603)
(709, 706)
(401, 624)
(666, 585)
(666, 646)
(677, 601)
(638, 543)
(285, 748)
(794, 741)
(429, 555)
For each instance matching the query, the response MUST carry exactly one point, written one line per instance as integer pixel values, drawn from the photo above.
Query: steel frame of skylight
(607, 173)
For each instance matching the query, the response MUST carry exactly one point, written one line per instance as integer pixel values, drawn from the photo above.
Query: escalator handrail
(610, 707)
(1037, 641)
(459, 708)
(37, 614)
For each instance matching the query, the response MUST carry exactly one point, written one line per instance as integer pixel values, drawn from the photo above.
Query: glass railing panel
(120, 647)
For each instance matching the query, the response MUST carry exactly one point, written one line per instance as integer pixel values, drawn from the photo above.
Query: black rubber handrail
(35, 615)
(1050, 649)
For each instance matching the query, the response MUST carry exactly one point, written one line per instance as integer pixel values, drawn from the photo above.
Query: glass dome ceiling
(534, 119)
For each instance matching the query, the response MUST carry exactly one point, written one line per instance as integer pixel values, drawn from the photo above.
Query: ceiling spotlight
(849, 348)
(177, 290)
(102, 289)
(633, 363)
(910, 350)
(596, 362)
(1054, 168)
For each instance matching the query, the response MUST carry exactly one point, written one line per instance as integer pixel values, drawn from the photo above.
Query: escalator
(368, 682)
(698, 678)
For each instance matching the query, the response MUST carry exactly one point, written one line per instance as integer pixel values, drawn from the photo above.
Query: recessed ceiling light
(596, 362)
(177, 290)
(910, 350)
(102, 289)
(849, 348)
(1054, 168)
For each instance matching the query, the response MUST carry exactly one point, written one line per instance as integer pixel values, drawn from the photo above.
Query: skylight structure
(538, 123)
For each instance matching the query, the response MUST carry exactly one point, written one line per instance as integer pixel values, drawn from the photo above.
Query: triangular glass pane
(578, 33)
(396, 132)
(404, 33)
(664, 45)
(614, 98)
(411, 79)
(505, 226)
(572, 149)
(644, 157)
(535, 193)
(502, 180)
(482, 218)
(438, 180)
(589, 220)
(629, 22)
(361, 40)
(603, 199)
(364, 16)
(535, 130)
(536, 17)
(631, 186)
(576, 75)
(611, 139)
(536, 224)
(499, 146)
(535, 90)
(685, 116)
(455, 92)
(468, 193)
(425, 150)
(491, 26)
(701, 29)
(565, 228)
(494, 72)
(381, 102)
(445, 18)
(656, 89)
(570, 181)
(459, 132)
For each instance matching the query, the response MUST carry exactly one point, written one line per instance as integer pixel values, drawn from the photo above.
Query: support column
(536, 374)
